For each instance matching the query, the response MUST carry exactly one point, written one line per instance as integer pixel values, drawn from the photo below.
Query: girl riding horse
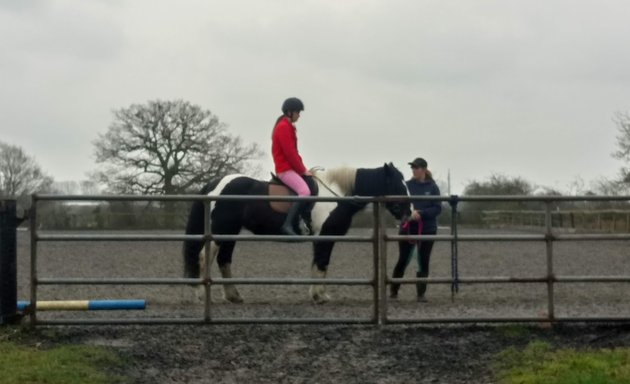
(229, 217)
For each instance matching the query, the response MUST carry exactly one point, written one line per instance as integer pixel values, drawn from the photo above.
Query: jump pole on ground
(84, 305)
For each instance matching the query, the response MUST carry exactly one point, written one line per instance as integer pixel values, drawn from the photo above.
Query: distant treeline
(605, 220)
(119, 215)
(126, 215)
(136, 216)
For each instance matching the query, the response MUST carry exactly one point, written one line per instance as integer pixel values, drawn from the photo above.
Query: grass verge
(67, 364)
(539, 363)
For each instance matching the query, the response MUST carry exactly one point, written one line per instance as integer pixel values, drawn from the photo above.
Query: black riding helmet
(292, 104)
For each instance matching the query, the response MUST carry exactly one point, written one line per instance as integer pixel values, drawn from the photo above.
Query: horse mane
(343, 177)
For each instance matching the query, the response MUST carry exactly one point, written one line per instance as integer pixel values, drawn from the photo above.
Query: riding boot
(306, 224)
(421, 288)
(287, 227)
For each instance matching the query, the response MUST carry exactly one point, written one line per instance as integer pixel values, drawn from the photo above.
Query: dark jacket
(429, 210)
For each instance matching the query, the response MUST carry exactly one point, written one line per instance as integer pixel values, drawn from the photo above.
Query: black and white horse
(266, 217)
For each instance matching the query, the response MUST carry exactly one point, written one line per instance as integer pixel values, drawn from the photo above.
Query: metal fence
(378, 239)
(609, 220)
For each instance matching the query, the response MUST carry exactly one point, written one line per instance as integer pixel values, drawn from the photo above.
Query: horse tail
(195, 226)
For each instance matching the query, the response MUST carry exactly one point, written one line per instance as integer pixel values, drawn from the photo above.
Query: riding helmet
(292, 104)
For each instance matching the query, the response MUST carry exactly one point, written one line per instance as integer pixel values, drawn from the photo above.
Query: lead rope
(406, 228)
(454, 272)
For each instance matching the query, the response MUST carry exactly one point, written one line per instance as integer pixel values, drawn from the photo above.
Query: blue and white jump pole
(84, 305)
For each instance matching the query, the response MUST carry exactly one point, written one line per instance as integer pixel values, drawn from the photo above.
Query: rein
(313, 171)
(354, 204)
(325, 185)
(314, 176)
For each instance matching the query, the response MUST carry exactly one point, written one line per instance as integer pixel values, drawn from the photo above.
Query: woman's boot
(421, 288)
(394, 287)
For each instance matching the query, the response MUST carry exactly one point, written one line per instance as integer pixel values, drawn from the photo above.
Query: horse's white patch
(322, 209)
(408, 194)
(221, 186)
(320, 213)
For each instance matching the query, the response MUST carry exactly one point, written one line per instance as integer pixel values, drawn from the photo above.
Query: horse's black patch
(194, 226)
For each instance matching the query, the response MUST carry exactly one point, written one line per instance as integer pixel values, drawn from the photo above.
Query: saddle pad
(279, 190)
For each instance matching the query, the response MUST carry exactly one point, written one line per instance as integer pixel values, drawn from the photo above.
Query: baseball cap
(419, 162)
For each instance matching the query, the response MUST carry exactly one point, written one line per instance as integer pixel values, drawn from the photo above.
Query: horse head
(396, 186)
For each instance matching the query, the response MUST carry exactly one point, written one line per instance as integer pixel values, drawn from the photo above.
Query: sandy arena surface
(310, 353)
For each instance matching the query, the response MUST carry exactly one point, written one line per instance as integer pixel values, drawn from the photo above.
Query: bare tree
(66, 187)
(20, 175)
(83, 187)
(167, 147)
(498, 184)
(88, 187)
(622, 120)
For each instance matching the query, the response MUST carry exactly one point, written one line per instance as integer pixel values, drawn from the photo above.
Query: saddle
(277, 188)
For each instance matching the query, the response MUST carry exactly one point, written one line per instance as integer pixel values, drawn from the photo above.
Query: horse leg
(214, 249)
(337, 223)
(230, 293)
(191, 252)
(192, 248)
(321, 259)
(224, 260)
(318, 291)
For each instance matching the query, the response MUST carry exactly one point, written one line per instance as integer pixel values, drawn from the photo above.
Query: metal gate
(379, 239)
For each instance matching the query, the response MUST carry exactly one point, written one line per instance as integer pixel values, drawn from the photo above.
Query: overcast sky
(519, 88)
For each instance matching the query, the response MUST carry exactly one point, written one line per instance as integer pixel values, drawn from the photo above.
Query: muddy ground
(221, 353)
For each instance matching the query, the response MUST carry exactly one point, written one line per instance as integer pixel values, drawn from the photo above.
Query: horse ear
(386, 166)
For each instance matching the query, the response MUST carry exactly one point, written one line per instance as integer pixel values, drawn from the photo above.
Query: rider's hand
(415, 215)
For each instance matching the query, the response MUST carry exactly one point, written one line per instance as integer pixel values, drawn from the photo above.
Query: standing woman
(424, 222)
(287, 160)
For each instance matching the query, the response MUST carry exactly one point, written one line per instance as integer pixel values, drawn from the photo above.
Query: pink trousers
(295, 182)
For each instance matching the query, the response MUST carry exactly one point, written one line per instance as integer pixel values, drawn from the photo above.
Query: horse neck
(370, 182)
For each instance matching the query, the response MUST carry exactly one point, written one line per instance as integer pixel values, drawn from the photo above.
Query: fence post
(549, 238)
(454, 262)
(381, 244)
(8, 262)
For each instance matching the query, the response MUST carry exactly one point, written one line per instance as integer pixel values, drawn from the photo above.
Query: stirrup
(288, 230)
(305, 228)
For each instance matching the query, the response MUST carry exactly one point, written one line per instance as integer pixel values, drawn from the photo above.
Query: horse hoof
(322, 298)
(231, 294)
(235, 300)
(200, 295)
